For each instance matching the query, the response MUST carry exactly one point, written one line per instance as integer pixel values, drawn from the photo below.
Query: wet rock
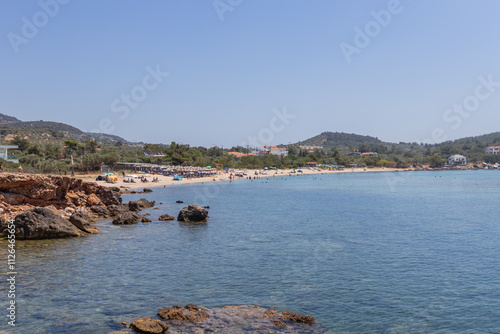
(237, 319)
(193, 213)
(83, 221)
(306, 319)
(145, 220)
(148, 325)
(140, 204)
(206, 207)
(147, 190)
(100, 211)
(166, 217)
(189, 313)
(127, 218)
(41, 223)
(117, 210)
(179, 202)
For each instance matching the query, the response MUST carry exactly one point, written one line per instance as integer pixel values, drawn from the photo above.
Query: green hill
(45, 132)
(341, 139)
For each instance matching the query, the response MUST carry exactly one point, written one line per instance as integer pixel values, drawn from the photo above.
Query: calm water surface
(412, 252)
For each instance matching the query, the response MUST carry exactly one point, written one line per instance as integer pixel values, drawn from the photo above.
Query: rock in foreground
(193, 213)
(42, 223)
(232, 319)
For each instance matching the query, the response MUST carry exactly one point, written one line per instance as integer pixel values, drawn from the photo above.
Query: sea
(392, 252)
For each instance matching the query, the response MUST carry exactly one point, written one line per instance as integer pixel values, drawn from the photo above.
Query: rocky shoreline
(47, 206)
(228, 319)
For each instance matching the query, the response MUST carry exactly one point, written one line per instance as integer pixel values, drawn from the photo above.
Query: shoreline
(167, 181)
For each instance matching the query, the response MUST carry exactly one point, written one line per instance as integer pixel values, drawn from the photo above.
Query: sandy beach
(221, 176)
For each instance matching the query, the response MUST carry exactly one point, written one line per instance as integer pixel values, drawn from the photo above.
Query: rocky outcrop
(232, 319)
(21, 192)
(193, 213)
(127, 218)
(42, 223)
(140, 204)
(82, 220)
(147, 190)
(166, 217)
(148, 325)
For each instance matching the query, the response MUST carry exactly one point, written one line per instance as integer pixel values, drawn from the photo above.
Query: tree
(91, 145)
(21, 143)
(436, 160)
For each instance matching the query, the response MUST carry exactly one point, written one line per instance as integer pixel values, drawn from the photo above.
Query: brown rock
(166, 217)
(42, 223)
(35, 190)
(83, 221)
(193, 213)
(189, 313)
(306, 319)
(145, 220)
(140, 204)
(148, 325)
(126, 219)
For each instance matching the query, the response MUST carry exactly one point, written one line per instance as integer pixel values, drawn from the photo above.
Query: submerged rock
(236, 319)
(193, 213)
(166, 217)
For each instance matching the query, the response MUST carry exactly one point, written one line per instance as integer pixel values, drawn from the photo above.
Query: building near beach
(492, 150)
(457, 160)
(268, 149)
(4, 153)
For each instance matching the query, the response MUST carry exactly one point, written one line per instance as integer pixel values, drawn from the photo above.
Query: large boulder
(193, 213)
(140, 204)
(148, 325)
(82, 220)
(42, 223)
(128, 218)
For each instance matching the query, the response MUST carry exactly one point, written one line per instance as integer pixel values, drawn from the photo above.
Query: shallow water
(406, 252)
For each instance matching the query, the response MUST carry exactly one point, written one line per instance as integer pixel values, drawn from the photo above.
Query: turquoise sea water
(407, 252)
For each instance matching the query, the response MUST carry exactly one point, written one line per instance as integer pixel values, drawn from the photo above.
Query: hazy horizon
(226, 72)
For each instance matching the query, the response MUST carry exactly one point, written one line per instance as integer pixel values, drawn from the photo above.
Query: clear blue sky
(227, 76)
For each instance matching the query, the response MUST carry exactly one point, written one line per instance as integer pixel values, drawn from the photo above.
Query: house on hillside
(457, 160)
(369, 154)
(268, 149)
(492, 150)
(4, 154)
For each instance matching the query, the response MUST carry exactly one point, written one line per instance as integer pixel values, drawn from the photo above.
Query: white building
(457, 160)
(4, 154)
(492, 150)
(268, 149)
